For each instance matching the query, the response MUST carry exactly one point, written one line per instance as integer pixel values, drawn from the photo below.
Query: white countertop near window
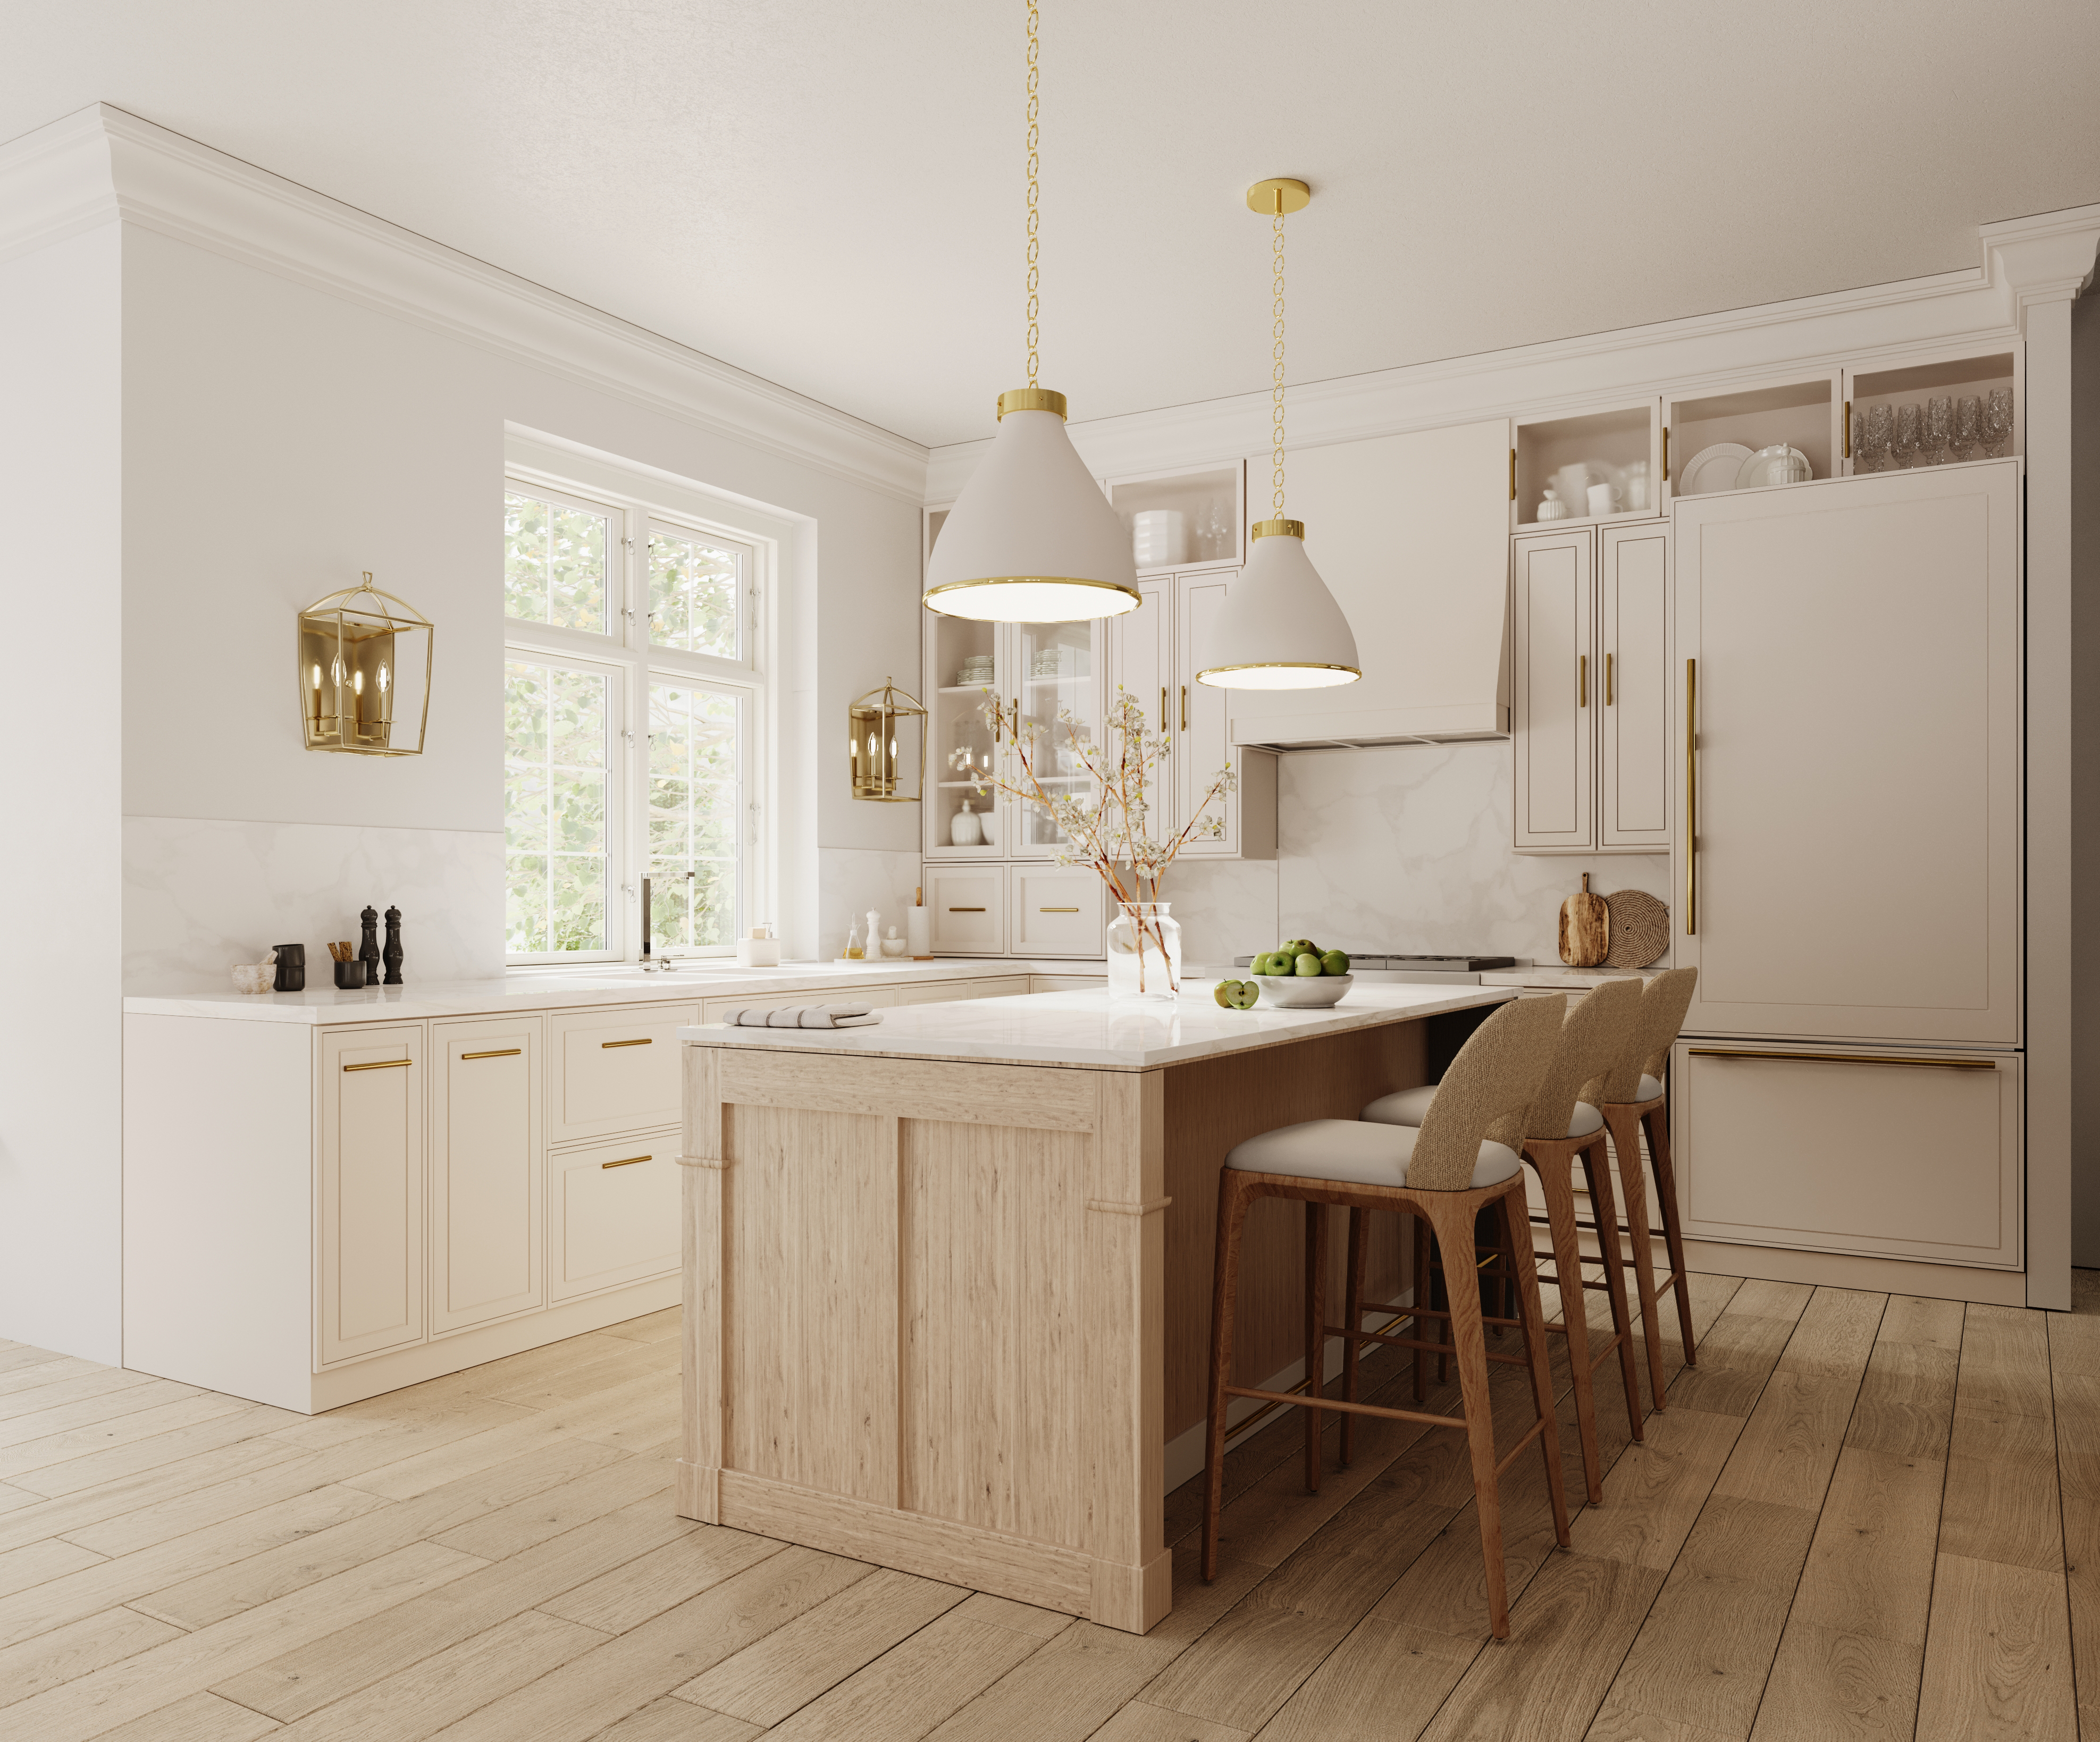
(1084, 1029)
(569, 988)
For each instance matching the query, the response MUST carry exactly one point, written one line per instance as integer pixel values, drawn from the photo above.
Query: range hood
(1411, 535)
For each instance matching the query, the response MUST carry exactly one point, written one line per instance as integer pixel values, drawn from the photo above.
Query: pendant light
(1280, 627)
(1032, 538)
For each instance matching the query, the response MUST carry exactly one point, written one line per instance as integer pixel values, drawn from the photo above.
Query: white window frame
(625, 649)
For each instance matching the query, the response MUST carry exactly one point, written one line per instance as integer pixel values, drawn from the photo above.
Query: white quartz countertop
(569, 988)
(1085, 1028)
(1575, 979)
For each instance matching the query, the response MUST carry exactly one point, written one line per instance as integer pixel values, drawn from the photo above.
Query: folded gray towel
(807, 1016)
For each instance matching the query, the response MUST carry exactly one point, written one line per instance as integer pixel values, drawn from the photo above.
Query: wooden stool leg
(1656, 1124)
(1469, 1343)
(1353, 1318)
(1597, 1170)
(1516, 1220)
(1316, 1335)
(1633, 1181)
(1553, 1179)
(1224, 1288)
(1422, 1299)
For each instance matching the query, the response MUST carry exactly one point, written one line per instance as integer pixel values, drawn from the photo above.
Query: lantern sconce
(364, 673)
(873, 723)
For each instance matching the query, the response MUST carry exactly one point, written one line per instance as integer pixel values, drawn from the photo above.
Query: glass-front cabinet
(1046, 673)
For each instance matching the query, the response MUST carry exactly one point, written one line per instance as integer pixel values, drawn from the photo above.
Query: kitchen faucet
(654, 965)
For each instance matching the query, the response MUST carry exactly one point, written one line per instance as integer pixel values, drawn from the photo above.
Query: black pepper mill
(367, 951)
(392, 957)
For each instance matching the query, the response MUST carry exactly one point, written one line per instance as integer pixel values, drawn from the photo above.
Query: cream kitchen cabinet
(614, 1070)
(370, 1225)
(970, 909)
(488, 1199)
(1056, 910)
(1589, 696)
(612, 1213)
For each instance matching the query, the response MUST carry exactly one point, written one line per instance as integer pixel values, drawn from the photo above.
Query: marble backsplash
(200, 895)
(1407, 848)
(852, 880)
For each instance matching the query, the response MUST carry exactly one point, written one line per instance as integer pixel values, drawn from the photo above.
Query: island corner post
(945, 1316)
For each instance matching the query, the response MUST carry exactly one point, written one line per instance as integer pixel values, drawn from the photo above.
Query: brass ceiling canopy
(1278, 197)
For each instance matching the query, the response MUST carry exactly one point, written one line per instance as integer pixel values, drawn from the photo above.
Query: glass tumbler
(1939, 429)
(1967, 424)
(1998, 421)
(1908, 437)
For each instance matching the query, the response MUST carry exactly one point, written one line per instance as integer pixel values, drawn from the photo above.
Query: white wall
(61, 717)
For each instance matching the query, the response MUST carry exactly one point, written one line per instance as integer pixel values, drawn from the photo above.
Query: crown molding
(101, 165)
(2023, 261)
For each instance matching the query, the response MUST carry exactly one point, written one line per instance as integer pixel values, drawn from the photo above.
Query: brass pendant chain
(1034, 134)
(1275, 374)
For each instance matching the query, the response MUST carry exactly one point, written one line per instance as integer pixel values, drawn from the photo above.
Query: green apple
(1308, 967)
(1245, 996)
(1335, 961)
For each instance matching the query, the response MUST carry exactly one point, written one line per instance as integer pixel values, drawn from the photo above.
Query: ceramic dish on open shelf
(1712, 469)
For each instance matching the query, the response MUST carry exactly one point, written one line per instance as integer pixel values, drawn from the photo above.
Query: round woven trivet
(1640, 929)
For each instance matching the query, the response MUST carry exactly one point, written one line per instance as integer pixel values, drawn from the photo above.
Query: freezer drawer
(1881, 1151)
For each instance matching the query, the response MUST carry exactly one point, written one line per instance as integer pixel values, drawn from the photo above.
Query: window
(632, 703)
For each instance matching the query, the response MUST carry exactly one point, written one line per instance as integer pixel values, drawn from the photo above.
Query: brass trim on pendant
(1032, 581)
(1279, 528)
(1276, 194)
(1278, 665)
(1031, 399)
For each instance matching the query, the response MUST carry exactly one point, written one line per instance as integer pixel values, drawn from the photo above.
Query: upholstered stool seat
(1651, 1088)
(1360, 1154)
(1411, 1107)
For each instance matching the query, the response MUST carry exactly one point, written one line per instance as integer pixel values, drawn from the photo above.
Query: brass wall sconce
(364, 673)
(873, 723)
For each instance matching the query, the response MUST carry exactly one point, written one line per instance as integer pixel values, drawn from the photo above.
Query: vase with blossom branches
(1109, 829)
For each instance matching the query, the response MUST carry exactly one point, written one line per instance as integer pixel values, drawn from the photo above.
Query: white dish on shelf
(1712, 469)
(1756, 472)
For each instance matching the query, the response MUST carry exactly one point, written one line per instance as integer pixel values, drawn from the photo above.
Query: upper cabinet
(1786, 431)
(1586, 465)
(1185, 519)
(1590, 701)
(1961, 407)
(1411, 535)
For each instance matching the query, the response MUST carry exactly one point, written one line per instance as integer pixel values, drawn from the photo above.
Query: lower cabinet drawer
(614, 1070)
(1057, 911)
(612, 1215)
(1883, 1151)
(970, 909)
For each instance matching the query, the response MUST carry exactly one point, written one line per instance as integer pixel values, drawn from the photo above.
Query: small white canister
(1159, 537)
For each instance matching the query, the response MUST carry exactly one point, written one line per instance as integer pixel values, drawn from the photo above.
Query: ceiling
(828, 193)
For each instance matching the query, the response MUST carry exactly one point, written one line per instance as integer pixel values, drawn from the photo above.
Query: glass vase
(1144, 954)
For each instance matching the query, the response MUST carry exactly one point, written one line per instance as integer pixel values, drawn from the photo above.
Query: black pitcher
(291, 968)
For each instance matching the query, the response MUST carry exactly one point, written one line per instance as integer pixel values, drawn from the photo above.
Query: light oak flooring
(1861, 1516)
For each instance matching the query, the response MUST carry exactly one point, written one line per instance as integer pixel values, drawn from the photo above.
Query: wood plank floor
(1860, 1515)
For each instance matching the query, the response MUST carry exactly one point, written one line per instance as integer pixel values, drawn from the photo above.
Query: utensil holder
(349, 976)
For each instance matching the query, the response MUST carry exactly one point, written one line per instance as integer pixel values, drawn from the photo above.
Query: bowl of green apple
(1301, 976)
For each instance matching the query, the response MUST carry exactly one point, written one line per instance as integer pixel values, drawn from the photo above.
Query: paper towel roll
(919, 930)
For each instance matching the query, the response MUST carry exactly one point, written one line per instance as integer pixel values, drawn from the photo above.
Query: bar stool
(1460, 1161)
(1633, 1098)
(1561, 1128)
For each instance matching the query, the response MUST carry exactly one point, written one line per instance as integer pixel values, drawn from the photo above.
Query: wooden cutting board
(1586, 928)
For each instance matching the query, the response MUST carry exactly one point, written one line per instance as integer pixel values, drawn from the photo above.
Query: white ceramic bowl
(1291, 992)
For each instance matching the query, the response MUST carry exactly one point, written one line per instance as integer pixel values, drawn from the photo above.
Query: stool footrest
(1524, 1440)
(1433, 1348)
(1346, 1407)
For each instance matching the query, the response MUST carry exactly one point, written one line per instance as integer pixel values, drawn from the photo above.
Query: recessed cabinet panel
(1553, 642)
(1057, 911)
(970, 909)
(616, 1069)
(1143, 643)
(1917, 1160)
(486, 1193)
(371, 1221)
(613, 1211)
(1202, 720)
(1634, 719)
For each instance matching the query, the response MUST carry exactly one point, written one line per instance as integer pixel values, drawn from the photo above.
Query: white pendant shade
(1280, 628)
(1032, 538)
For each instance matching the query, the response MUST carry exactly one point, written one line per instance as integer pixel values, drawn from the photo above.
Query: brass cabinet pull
(1665, 453)
(1691, 798)
(1184, 708)
(1608, 680)
(1056, 909)
(608, 1045)
(1846, 1058)
(501, 1052)
(1582, 680)
(966, 910)
(1512, 474)
(1848, 428)
(628, 1162)
(383, 1065)
(1163, 708)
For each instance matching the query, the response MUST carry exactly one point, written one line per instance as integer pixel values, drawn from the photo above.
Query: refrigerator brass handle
(1608, 680)
(966, 910)
(1691, 798)
(1582, 680)
(501, 1052)
(1184, 708)
(1848, 428)
(383, 1065)
(1163, 708)
(1056, 909)
(1665, 453)
(1512, 474)
(608, 1045)
(630, 1161)
(1846, 1058)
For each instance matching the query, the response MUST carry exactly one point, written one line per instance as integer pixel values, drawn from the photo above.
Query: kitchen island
(948, 1279)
